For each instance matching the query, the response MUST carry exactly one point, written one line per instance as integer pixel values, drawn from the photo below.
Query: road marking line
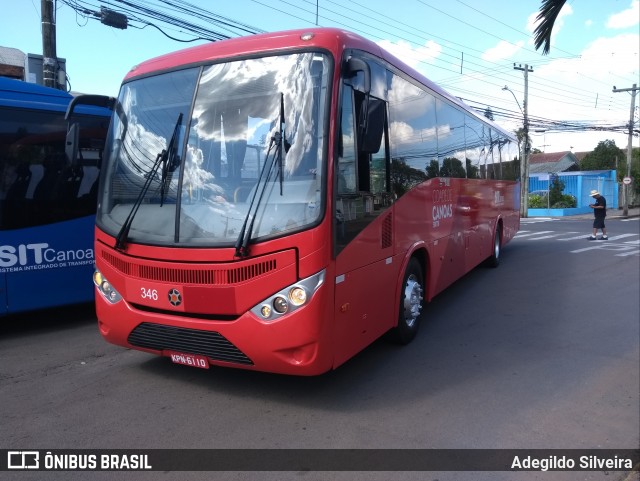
(605, 246)
(581, 236)
(621, 236)
(545, 237)
(630, 253)
(532, 233)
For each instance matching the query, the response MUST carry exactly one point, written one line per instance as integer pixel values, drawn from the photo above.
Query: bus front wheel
(411, 301)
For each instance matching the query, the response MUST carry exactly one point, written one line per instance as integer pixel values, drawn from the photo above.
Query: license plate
(192, 360)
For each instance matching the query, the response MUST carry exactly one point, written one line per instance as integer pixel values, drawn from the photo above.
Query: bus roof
(26, 95)
(332, 39)
(326, 38)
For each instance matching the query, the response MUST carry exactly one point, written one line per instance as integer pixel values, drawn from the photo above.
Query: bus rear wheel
(494, 259)
(411, 301)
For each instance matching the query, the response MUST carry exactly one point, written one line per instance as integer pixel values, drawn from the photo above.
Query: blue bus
(47, 197)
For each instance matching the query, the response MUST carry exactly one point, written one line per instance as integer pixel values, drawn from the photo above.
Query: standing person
(599, 213)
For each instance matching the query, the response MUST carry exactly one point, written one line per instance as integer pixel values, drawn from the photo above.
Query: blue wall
(558, 212)
(578, 184)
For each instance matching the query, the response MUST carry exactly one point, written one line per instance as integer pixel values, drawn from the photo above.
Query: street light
(514, 97)
(524, 160)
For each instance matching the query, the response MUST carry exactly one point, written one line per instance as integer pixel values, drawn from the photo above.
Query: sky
(472, 48)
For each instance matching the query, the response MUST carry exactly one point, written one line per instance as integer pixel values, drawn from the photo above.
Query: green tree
(510, 170)
(404, 177)
(473, 172)
(604, 157)
(549, 11)
(433, 169)
(452, 167)
(556, 187)
(557, 200)
(635, 169)
(521, 138)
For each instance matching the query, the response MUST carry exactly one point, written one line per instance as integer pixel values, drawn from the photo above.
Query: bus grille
(194, 274)
(189, 341)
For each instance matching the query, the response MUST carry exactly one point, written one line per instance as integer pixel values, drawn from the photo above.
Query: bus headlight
(290, 298)
(280, 305)
(265, 311)
(105, 288)
(297, 296)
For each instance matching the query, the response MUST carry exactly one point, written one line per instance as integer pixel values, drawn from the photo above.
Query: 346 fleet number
(149, 294)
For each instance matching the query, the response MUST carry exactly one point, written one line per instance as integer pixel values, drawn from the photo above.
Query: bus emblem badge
(174, 297)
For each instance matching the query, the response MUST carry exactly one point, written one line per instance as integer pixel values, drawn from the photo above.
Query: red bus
(278, 202)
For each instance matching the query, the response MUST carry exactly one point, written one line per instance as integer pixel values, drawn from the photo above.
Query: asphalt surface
(542, 352)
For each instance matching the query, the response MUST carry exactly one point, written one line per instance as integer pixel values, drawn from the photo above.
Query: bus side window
(364, 158)
(363, 169)
(371, 141)
(16, 204)
(346, 167)
(18, 188)
(53, 165)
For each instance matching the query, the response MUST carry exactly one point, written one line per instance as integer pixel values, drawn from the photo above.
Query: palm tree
(549, 10)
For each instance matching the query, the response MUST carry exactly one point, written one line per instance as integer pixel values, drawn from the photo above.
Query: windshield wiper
(163, 159)
(168, 162)
(280, 140)
(242, 243)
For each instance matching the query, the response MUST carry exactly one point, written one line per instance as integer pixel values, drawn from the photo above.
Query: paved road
(543, 352)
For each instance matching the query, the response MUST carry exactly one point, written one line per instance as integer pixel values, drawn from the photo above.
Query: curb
(610, 216)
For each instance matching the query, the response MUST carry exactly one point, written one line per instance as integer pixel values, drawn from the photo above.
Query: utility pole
(524, 170)
(626, 187)
(50, 60)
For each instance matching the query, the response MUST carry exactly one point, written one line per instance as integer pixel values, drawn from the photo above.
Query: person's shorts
(598, 223)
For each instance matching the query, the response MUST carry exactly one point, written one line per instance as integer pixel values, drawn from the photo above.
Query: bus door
(363, 222)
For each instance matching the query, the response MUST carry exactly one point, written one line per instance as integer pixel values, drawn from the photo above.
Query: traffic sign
(626, 180)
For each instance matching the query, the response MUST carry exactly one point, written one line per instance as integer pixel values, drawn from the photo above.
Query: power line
(140, 15)
(170, 14)
(573, 94)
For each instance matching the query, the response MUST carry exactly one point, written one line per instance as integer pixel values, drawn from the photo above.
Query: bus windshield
(193, 153)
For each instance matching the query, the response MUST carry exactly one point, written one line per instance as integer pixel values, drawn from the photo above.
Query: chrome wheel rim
(412, 300)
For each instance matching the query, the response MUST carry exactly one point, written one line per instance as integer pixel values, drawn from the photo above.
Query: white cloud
(616, 55)
(502, 50)
(588, 23)
(586, 83)
(601, 59)
(626, 18)
(413, 56)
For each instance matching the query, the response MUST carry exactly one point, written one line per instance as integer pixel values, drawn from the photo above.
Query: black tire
(411, 302)
(494, 259)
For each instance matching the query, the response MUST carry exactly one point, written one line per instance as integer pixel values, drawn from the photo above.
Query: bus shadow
(481, 341)
(381, 374)
(47, 320)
